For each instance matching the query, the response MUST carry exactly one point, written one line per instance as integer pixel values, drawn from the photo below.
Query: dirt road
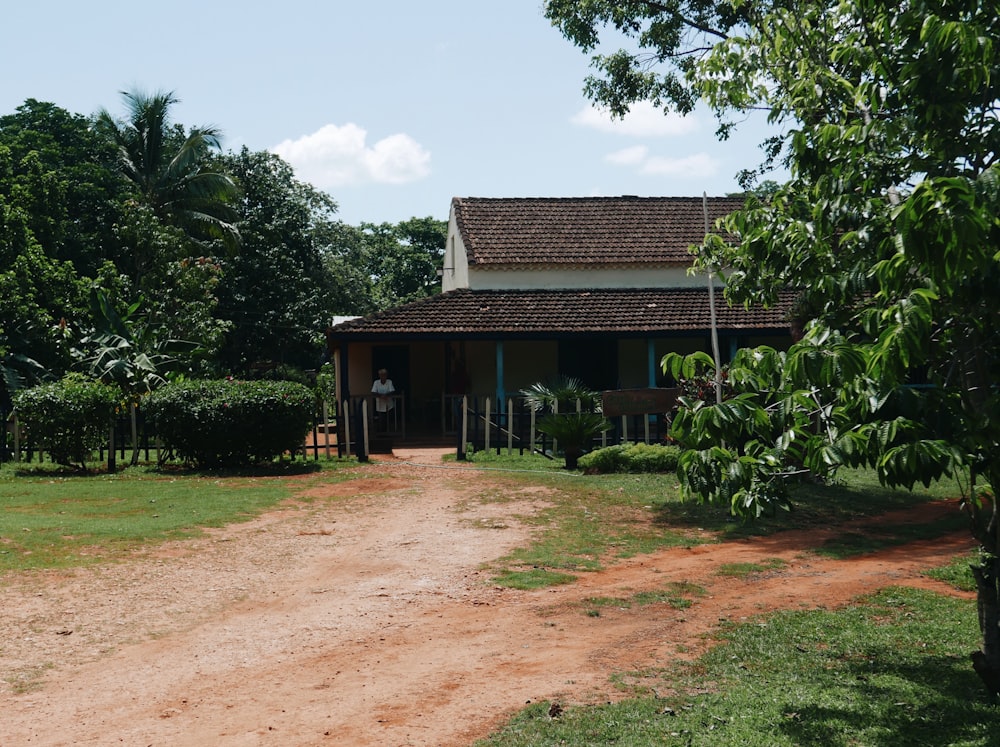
(367, 621)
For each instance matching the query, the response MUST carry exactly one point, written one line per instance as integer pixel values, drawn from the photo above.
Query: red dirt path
(367, 621)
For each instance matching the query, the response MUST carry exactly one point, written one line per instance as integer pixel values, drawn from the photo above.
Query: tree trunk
(977, 390)
(986, 662)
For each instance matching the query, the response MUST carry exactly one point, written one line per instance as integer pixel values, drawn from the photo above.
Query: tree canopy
(170, 171)
(227, 251)
(889, 229)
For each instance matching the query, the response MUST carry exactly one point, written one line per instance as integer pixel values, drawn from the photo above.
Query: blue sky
(393, 107)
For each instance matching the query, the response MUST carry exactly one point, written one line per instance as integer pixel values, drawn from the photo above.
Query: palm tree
(171, 172)
(572, 415)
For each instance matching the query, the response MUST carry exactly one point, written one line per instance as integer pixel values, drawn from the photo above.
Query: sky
(392, 107)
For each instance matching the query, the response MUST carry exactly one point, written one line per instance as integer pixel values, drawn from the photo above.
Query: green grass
(958, 572)
(855, 494)
(890, 670)
(533, 578)
(51, 518)
(583, 525)
(873, 538)
(592, 519)
(678, 594)
(742, 570)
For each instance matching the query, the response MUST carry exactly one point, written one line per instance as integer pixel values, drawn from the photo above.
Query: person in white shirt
(383, 390)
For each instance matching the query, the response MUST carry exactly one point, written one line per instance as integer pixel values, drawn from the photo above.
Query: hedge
(69, 419)
(226, 422)
(632, 458)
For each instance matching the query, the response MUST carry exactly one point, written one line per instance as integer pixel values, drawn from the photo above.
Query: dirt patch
(367, 621)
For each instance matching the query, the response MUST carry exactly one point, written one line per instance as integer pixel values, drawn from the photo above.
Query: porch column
(340, 371)
(651, 361)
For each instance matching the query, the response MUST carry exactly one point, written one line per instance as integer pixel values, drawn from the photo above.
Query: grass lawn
(51, 518)
(891, 669)
(593, 519)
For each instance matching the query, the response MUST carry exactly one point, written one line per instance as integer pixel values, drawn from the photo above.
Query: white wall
(584, 278)
(456, 264)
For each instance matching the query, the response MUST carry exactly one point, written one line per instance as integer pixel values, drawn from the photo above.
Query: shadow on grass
(813, 506)
(270, 469)
(945, 705)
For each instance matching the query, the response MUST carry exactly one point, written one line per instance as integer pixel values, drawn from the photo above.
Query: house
(596, 288)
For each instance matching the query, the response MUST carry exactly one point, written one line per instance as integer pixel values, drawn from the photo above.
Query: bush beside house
(231, 423)
(631, 458)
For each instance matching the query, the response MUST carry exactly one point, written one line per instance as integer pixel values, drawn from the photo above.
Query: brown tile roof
(543, 314)
(588, 230)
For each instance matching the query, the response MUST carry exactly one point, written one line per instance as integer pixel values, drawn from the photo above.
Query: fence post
(510, 425)
(111, 444)
(555, 411)
(363, 440)
(346, 413)
(463, 430)
(132, 407)
(486, 426)
(326, 428)
(17, 439)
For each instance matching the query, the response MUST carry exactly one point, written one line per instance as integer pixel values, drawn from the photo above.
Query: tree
(276, 292)
(171, 173)
(343, 253)
(40, 301)
(390, 264)
(669, 40)
(60, 173)
(17, 372)
(179, 216)
(404, 259)
(128, 351)
(889, 229)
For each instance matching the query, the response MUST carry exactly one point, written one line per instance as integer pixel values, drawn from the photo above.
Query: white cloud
(336, 156)
(697, 164)
(628, 156)
(638, 157)
(643, 120)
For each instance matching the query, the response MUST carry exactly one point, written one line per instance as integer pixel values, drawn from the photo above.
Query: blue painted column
(651, 359)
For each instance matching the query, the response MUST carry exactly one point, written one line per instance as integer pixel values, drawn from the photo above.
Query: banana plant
(125, 349)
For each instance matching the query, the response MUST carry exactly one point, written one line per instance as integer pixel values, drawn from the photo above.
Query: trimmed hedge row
(631, 458)
(69, 419)
(215, 423)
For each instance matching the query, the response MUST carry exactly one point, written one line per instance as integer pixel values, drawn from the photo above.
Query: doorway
(594, 362)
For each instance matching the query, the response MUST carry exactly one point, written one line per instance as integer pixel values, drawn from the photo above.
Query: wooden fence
(130, 433)
(353, 428)
(470, 424)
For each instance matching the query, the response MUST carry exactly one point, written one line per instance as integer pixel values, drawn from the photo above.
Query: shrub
(632, 458)
(231, 423)
(69, 418)
(326, 384)
(573, 431)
